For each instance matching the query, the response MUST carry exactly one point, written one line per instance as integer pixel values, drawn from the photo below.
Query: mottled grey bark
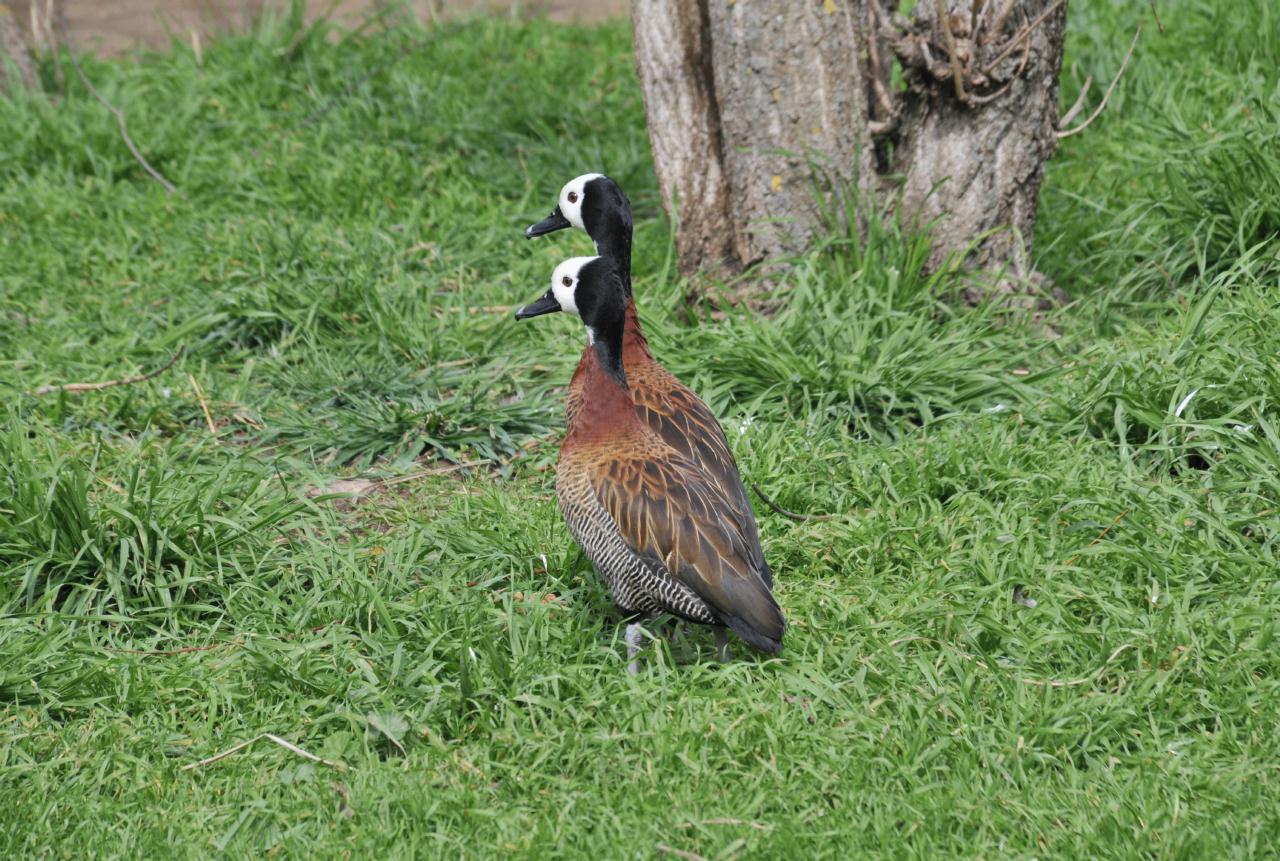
(673, 56)
(15, 59)
(751, 103)
(973, 159)
(788, 86)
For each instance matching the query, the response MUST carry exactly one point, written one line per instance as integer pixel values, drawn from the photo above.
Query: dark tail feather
(769, 641)
(748, 607)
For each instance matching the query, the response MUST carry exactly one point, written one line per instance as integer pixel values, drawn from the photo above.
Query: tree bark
(756, 107)
(673, 50)
(16, 68)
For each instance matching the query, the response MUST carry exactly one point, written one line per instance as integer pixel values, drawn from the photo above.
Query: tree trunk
(756, 106)
(15, 60)
(673, 51)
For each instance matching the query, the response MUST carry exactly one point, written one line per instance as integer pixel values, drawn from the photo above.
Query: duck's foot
(634, 638)
(723, 655)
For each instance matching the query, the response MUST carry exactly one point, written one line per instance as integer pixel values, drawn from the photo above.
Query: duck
(657, 526)
(597, 205)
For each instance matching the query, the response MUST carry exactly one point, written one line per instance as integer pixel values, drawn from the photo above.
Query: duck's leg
(677, 631)
(634, 638)
(723, 655)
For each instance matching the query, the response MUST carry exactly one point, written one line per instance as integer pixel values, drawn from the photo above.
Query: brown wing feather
(686, 424)
(667, 509)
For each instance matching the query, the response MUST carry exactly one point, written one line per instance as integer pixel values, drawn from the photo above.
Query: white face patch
(571, 198)
(564, 282)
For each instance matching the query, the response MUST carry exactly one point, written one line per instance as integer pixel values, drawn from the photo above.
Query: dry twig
(1079, 103)
(664, 849)
(287, 745)
(957, 74)
(882, 95)
(1101, 535)
(107, 384)
(1159, 25)
(790, 515)
(1023, 32)
(975, 16)
(217, 756)
(1107, 95)
(439, 470)
(758, 826)
(356, 488)
(165, 653)
(124, 127)
(997, 25)
(199, 392)
(1022, 64)
(481, 309)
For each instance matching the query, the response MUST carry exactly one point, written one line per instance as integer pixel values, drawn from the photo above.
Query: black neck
(615, 242)
(608, 347)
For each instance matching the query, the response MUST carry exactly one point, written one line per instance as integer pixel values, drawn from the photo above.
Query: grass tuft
(340, 270)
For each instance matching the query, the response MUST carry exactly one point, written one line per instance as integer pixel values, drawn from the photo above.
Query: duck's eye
(566, 281)
(573, 197)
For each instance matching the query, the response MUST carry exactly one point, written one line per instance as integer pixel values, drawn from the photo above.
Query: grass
(337, 268)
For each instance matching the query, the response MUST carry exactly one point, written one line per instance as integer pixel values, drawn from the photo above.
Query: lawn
(338, 271)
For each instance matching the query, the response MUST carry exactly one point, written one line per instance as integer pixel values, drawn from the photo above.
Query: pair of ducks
(645, 480)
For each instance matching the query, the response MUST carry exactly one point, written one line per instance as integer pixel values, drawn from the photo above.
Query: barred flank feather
(636, 585)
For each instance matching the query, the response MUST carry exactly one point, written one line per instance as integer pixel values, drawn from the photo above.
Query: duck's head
(592, 202)
(586, 286)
